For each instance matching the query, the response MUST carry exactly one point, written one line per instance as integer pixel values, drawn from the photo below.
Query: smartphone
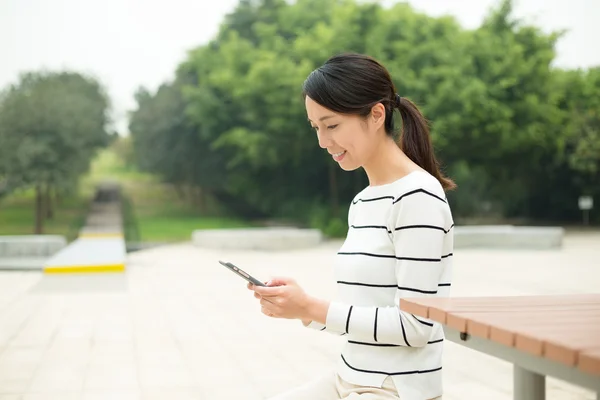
(242, 273)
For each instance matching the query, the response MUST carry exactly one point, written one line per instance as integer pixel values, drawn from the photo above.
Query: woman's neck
(388, 164)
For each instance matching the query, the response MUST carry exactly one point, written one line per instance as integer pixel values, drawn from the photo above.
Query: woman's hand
(284, 298)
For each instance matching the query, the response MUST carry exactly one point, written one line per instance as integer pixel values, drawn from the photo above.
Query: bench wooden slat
(458, 319)
(537, 334)
(589, 361)
(480, 324)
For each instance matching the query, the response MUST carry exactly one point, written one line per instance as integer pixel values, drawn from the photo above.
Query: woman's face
(350, 139)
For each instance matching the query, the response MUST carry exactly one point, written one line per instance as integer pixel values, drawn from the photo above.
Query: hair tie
(398, 100)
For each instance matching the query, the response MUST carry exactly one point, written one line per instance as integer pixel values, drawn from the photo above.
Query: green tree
(170, 145)
(508, 125)
(51, 123)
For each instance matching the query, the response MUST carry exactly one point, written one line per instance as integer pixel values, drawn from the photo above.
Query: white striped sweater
(399, 244)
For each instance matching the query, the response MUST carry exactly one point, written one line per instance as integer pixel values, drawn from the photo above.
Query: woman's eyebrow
(323, 118)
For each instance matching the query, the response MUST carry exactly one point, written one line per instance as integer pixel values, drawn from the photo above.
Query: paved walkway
(177, 325)
(100, 246)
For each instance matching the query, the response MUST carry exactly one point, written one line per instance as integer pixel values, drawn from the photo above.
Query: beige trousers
(332, 387)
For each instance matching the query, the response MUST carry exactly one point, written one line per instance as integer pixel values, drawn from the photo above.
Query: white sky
(129, 43)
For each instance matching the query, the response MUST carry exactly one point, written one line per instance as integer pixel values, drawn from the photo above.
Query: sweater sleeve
(418, 224)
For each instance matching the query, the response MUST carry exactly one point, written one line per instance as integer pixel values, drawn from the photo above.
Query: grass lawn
(165, 228)
(17, 215)
(159, 214)
(156, 212)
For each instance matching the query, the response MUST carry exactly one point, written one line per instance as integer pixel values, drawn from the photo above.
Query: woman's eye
(332, 126)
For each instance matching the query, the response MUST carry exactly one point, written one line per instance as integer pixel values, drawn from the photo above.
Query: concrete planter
(275, 238)
(508, 237)
(29, 251)
(31, 245)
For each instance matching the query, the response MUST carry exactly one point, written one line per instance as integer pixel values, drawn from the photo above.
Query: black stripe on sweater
(404, 332)
(366, 284)
(373, 199)
(375, 324)
(370, 227)
(401, 228)
(408, 289)
(348, 319)
(374, 344)
(439, 228)
(387, 344)
(423, 322)
(359, 253)
(422, 371)
(418, 191)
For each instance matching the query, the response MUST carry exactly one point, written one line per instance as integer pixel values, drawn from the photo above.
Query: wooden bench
(541, 336)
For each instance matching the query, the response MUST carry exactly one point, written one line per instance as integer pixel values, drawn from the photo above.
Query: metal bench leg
(528, 385)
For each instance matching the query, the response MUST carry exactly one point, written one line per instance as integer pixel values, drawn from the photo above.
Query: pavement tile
(112, 376)
(112, 394)
(52, 395)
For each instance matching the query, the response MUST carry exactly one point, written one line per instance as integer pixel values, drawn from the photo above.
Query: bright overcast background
(129, 43)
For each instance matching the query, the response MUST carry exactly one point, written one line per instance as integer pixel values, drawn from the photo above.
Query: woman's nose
(324, 140)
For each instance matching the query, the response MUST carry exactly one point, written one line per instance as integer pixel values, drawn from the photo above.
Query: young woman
(399, 242)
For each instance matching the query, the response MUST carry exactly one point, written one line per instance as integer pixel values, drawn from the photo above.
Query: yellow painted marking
(100, 235)
(84, 268)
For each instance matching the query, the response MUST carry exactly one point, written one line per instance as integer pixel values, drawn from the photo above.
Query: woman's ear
(378, 115)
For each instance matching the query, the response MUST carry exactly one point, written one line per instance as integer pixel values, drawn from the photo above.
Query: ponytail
(415, 141)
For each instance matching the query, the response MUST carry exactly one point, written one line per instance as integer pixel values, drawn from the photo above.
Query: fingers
(280, 281)
(271, 296)
(266, 302)
(269, 311)
(269, 291)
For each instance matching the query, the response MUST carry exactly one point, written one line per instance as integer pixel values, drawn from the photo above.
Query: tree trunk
(48, 202)
(333, 190)
(205, 205)
(57, 197)
(180, 191)
(190, 191)
(199, 199)
(39, 210)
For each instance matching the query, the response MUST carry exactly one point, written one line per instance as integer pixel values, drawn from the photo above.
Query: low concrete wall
(31, 245)
(508, 237)
(274, 238)
(29, 251)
